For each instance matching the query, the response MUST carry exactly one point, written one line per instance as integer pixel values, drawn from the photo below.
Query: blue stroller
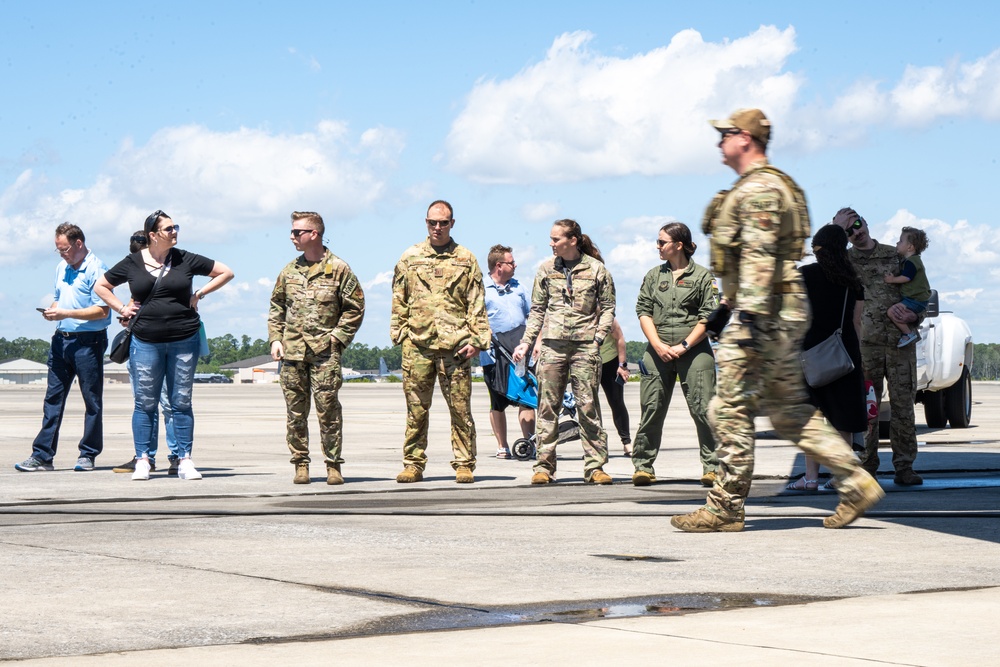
(522, 389)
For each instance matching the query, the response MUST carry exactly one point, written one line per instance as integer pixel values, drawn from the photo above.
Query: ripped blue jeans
(153, 366)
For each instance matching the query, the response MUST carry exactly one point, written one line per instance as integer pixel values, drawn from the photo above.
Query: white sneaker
(141, 469)
(186, 470)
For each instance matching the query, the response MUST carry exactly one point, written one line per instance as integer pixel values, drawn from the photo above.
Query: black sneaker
(172, 470)
(130, 467)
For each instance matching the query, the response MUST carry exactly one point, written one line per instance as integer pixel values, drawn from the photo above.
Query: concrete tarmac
(243, 567)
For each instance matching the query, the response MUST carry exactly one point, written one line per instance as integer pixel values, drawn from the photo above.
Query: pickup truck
(944, 383)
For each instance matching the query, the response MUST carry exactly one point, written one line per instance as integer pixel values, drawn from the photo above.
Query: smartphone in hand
(41, 310)
(620, 380)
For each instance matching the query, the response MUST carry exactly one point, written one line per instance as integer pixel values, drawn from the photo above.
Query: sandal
(503, 453)
(831, 484)
(803, 484)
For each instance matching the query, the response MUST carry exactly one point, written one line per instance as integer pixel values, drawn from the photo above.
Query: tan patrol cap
(752, 121)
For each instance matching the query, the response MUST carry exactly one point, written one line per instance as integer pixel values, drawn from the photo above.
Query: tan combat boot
(301, 473)
(703, 521)
(642, 478)
(869, 493)
(541, 478)
(409, 475)
(333, 475)
(708, 479)
(598, 476)
(463, 475)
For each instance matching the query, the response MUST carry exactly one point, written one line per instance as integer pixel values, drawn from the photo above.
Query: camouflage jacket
(872, 265)
(676, 306)
(314, 303)
(438, 299)
(758, 230)
(584, 314)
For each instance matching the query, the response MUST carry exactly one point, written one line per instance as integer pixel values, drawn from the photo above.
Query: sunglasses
(855, 226)
(170, 229)
(660, 243)
(299, 232)
(438, 223)
(729, 133)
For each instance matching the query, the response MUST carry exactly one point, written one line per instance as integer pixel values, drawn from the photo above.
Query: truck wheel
(958, 401)
(934, 409)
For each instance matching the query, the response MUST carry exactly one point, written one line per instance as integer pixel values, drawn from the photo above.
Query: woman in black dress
(828, 281)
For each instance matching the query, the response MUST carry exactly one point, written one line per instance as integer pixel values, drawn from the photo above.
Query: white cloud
(540, 211)
(579, 114)
(384, 278)
(208, 181)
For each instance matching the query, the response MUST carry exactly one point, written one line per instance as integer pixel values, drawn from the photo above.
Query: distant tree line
(24, 348)
(227, 349)
(986, 361)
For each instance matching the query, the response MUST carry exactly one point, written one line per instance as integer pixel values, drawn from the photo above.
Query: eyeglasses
(729, 133)
(170, 229)
(299, 232)
(438, 223)
(511, 264)
(63, 251)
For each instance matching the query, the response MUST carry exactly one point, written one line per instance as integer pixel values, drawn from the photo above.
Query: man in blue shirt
(77, 351)
(507, 305)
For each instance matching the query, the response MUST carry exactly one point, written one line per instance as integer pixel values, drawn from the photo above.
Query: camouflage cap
(752, 121)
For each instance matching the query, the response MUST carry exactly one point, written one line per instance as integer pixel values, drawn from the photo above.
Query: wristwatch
(684, 344)
(624, 365)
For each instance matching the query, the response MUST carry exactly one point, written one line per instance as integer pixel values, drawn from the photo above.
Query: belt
(72, 334)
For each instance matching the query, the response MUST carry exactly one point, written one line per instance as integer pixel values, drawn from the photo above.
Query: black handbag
(828, 361)
(123, 339)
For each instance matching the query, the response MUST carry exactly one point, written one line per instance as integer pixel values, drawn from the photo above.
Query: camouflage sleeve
(759, 214)
(399, 319)
(725, 248)
(539, 304)
(352, 309)
(276, 313)
(478, 322)
(606, 299)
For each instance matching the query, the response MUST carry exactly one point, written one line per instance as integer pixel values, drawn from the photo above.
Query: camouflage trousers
(420, 365)
(759, 373)
(696, 369)
(899, 367)
(320, 377)
(579, 364)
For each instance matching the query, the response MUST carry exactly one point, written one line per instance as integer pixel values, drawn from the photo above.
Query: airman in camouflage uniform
(316, 309)
(572, 307)
(757, 232)
(439, 317)
(880, 357)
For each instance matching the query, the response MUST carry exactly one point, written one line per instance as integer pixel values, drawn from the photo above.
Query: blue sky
(231, 115)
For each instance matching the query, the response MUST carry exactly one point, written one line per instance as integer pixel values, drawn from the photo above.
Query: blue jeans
(155, 366)
(168, 423)
(78, 356)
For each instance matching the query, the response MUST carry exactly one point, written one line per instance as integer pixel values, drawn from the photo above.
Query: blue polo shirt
(507, 308)
(75, 289)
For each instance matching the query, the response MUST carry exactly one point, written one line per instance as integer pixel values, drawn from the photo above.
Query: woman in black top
(828, 281)
(165, 335)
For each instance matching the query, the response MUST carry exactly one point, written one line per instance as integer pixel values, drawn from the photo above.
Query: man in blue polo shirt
(77, 351)
(507, 305)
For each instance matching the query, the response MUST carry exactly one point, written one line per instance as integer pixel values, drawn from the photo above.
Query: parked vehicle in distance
(212, 378)
(944, 381)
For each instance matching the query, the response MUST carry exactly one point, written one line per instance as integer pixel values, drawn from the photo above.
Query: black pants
(615, 394)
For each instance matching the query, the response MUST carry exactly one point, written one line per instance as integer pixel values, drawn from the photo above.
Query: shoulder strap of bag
(843, 312)
(155, 283)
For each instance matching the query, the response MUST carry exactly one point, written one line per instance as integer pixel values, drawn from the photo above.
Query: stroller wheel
(522, 449)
